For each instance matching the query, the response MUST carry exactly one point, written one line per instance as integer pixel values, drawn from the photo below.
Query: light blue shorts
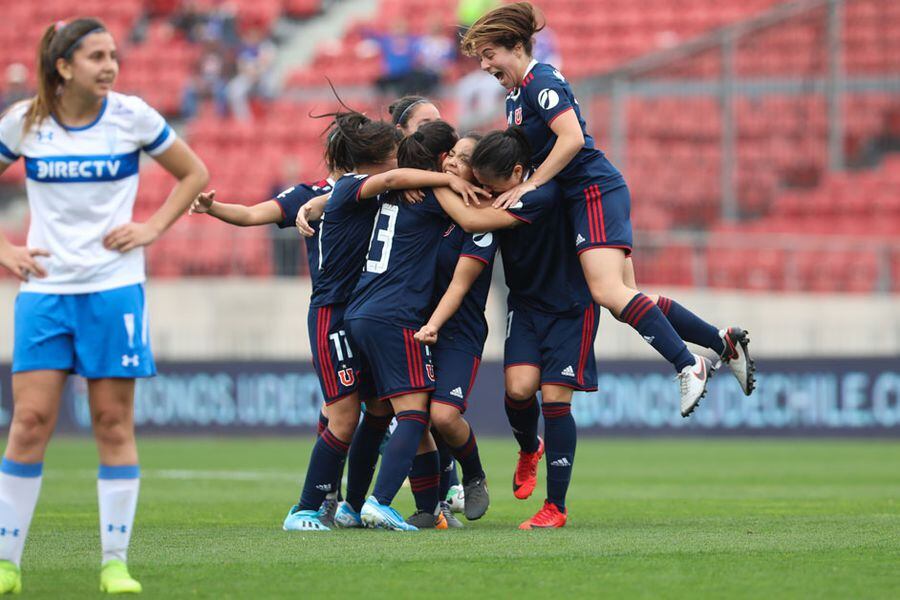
(96, 335)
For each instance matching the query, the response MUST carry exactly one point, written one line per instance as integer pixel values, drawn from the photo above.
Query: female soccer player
(81, 304)
(408, 112)
(366, 149)
(551, 319)
(457, 329)
(597, 199)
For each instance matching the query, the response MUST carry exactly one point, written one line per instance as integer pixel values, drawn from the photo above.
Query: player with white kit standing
(81, 304)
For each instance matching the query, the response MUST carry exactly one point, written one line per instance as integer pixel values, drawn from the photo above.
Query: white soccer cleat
(737, 356)
(693, 380)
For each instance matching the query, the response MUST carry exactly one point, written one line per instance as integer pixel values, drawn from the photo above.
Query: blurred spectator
(16, 85)
(480, 101)
(546, 48)
(207, 84)
(399, 59)
(286, 243)
(436, 53)
(189, 20)
(221, 24)
(255, 60)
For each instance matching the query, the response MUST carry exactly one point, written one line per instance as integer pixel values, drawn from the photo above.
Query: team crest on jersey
(347, 377)
(430, 370)
(517, 117)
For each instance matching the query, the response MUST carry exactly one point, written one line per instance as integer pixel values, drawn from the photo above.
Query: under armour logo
(12, 532)
(44, 136)
(113, 528)
(131, 361)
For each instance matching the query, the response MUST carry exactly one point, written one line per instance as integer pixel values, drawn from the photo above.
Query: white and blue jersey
(81, 183)
(88, 314)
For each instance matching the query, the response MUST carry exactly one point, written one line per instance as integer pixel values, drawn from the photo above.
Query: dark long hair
(402, 109)
(60, 40)
(355, 140)
(422, 149)
(500, 151)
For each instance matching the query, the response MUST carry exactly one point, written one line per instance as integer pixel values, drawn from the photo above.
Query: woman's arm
(467, 271)
(569, 140)
(192, 176)
(407, 179)
(263, 213)
(471, 218)
(310, 212)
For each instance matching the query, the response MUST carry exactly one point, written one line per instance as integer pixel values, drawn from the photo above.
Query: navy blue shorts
(96, 334)
(398, 363)
(600, 219)
(455, 371)
(335, 358)
(562, 347)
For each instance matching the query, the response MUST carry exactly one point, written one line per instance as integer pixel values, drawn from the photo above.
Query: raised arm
(473, 219)
(310, 212)
(192, 176)
(467, 271)
(263, 213)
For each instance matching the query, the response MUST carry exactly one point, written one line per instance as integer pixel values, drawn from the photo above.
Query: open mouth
(498, 75)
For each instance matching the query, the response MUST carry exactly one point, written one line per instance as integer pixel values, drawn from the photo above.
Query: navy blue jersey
(539, 259)
(543, 95)
(399, 270)
(290, 201)
(467, 329)
(343, 237)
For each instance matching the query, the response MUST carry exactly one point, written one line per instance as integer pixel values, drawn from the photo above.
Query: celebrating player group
(401, 237)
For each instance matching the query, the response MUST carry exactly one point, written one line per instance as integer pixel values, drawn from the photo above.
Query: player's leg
(424, 480)
(602, 222)
(456, 371)
(118, 478)
(451, 490)
(36, 399)
(559, 441)
(730, 344)
(362, 458)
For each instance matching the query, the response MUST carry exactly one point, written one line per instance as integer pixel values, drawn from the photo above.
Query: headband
(407, 109)
(71, 49)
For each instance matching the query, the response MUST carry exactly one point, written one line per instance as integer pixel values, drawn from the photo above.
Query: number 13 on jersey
(383, 233)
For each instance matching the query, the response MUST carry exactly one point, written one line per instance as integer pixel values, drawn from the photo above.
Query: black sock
(559, 443)
(324, 467)
(424, 480)
(469, 460)
(397, 457)
(523, 418)
(363, 456)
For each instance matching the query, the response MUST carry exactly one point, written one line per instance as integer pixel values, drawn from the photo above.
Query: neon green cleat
(10, 578)
(114, 579)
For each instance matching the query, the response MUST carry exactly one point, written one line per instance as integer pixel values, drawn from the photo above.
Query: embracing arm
(467, 271)
(408, 179)
(180, 161)
(471, 218)
(263, 213)
(569, 140)
(310, 212)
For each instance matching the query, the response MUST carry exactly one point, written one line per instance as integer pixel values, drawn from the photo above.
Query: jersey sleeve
(290, 201)
(153, 133)
(11, 134)
(480, 246)
(548, 94)
(537, 203)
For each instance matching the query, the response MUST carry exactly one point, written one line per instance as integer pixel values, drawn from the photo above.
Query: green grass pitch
(748, 518)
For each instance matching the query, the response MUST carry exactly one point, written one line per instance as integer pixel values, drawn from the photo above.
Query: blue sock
(690, 327)
(397, 457)
(447, 465)
(468, 458)
(651, 323)
(523, 419)
(424, 480)
(559, 444)
(363, 456)
(325, 465)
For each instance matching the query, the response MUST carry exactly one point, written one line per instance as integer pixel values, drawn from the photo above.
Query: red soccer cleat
(525, 477)
(549, 517)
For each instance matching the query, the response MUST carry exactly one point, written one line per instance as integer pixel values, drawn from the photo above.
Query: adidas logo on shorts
(649, 338)
(561, 462)
(579, 239)
(569, 371)
(457, 392)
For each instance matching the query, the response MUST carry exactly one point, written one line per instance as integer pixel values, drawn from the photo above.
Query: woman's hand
(468, 191)
(413, 196)
(302, 221)
(511, 197)
(130, 236)
(20, 261)
(428, 335)
(202, 203)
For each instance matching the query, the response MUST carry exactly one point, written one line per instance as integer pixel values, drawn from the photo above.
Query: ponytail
(355, 140)
(60, 40)
(422, 149)
(500, 151)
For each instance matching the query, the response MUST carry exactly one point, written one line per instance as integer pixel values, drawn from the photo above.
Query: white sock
(117, 492)
(20, 485)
